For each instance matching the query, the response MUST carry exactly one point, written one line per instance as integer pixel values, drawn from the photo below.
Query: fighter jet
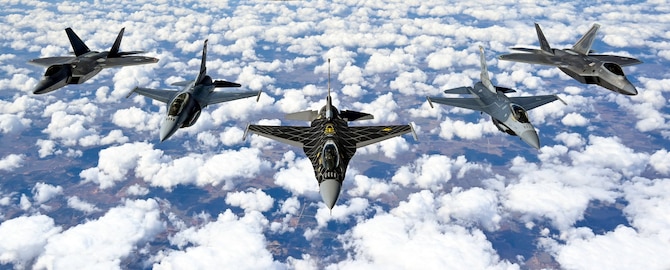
(508, 113)
(63, 70)
(579, 62)
(329, 142)
(184, 107)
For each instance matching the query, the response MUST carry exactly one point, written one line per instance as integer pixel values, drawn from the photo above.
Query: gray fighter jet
(508, 113)
(329, 142)
(63, 70)
(184, 107)
(579, 62)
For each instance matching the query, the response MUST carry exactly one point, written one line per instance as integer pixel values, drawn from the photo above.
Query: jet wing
(218, 97)
(468, 103)
(533, 102)
(286, 134)
(50, 61)
(161, 95)
(127, 61)
(619, 60)
(530, 58)
(366, 135)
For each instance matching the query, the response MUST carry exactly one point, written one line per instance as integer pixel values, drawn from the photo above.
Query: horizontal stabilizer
(302, 116)
(530, 50)
(505, 89)
(524, 49)
(619, 60)
(182, 83)
(130, 53)
(354, 115)
(222, 83)
(459, 90)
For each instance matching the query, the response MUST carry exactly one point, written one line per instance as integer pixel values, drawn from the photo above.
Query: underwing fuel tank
(55, 77)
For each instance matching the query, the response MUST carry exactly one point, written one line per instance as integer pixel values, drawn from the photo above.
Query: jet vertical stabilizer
(78, 45)
(114, 52)
(329, 101)
(203, 64)
(583, 46)
(485, 72)
(544, 44)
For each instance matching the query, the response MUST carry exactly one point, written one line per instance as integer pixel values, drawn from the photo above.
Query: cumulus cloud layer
(90, 182)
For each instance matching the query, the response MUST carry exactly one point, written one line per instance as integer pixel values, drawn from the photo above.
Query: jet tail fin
(114, 52)
(485, 72)
(203, 64)
(544, 44)
(78, 45)
(584, 44)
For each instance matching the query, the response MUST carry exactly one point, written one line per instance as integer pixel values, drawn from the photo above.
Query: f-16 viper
(329, 142)
(64, 70)
(580, 63)
(184, 107)
(508, 113)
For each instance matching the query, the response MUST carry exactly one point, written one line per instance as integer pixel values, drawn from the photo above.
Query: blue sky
(88, 185)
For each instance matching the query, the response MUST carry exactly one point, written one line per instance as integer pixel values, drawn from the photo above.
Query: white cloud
(11, 162)
(25, 238)
(43, 192)
(412, 232)
(428, 172)
(114, 163)
(660, 161)
(75, 203)
(210, 246)
(250, 201)
(574, 119)
(106, 241)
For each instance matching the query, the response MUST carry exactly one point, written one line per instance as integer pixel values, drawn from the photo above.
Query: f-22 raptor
(579, 63)
(508, 113)
(64, 70)
(184, 107)
(329, 142)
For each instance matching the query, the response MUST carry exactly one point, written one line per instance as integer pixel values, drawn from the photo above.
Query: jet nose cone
(330, 191)
(43, 87)
(168, 127)
(629, 89)
(530, 137)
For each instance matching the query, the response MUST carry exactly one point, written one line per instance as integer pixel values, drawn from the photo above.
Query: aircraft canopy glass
(614, 68)
(519, 113)
(178, 104)
(330, 157)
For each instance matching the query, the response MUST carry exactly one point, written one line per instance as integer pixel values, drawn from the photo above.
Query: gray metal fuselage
(502, 111)
(82, 68)
(589, 70)
(185, 107)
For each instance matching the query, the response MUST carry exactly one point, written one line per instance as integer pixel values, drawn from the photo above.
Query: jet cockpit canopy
(178, 104)
(330, 156)
(519, 113)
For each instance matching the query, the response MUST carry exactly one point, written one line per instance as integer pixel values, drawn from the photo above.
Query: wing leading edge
(161, 95)
(292, 135)
(533, 102)
(467, 103)
(218, 97)
(366, 135)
